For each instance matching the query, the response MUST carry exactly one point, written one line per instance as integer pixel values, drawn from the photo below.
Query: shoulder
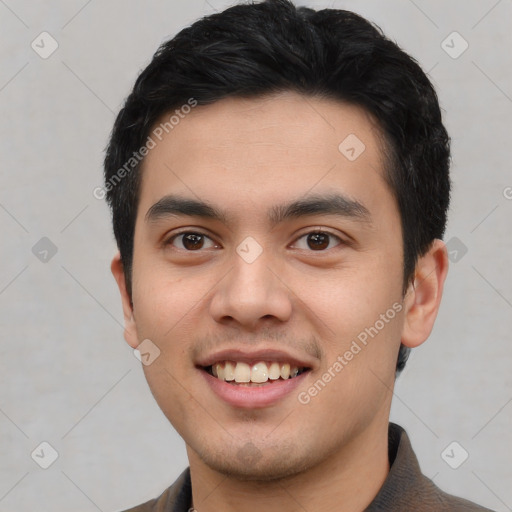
(176, 497)
(406, 488)
(154, 505)
(454, 504)
(433, 499)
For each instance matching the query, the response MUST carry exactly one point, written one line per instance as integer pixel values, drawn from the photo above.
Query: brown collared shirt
(405, 489)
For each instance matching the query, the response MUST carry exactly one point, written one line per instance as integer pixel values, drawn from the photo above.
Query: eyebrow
(319, 204)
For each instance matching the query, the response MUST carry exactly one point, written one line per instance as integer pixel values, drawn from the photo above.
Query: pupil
(320, 240)
(192, 241)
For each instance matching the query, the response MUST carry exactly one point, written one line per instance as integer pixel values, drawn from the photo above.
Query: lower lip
(251, 397)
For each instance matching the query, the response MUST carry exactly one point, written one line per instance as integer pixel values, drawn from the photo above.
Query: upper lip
(254, 356)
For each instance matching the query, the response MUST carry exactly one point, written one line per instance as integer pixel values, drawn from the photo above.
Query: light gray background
(69, 378)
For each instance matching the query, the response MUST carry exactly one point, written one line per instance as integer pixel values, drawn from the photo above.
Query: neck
(351, 477)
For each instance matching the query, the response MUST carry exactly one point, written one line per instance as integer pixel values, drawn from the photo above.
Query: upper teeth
(258, 372)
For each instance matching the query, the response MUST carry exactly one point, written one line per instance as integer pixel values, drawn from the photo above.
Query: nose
(251, 293)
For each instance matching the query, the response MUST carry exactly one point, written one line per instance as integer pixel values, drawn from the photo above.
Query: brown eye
(319, 240)
(190, 240)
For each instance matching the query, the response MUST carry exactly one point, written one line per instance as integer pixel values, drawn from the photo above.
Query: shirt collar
(404, 478)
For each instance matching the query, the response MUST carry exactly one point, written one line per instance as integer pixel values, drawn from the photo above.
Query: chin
(249, 463)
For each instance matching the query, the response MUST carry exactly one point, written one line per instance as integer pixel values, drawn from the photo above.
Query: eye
(193, 241)
(319, 240)
(190, 241)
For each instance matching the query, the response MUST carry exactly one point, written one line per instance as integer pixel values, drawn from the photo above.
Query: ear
(130, 328)
(423, 298)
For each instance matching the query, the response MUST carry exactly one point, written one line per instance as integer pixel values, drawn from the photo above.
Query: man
(279, 185)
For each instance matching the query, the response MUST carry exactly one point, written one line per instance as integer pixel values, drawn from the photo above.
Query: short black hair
(256, 49)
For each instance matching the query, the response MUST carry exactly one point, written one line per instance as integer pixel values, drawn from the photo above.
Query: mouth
(260, 373)
(257, 378)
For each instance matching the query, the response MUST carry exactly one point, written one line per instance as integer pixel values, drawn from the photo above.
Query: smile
(238, 372)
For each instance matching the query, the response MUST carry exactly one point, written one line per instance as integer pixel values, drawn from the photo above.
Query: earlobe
(130, 328)
(423, 298)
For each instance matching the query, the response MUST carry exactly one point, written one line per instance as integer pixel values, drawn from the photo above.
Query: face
(266, 233)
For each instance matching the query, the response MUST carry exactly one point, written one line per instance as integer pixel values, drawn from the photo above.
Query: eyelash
(169, 240)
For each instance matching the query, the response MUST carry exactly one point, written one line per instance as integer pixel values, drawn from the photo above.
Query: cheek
(360, 332)
(352, 298)
(357, 313)
(163, 299)
(170, 389)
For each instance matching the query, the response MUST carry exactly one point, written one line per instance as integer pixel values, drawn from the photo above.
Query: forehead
(239, 152)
